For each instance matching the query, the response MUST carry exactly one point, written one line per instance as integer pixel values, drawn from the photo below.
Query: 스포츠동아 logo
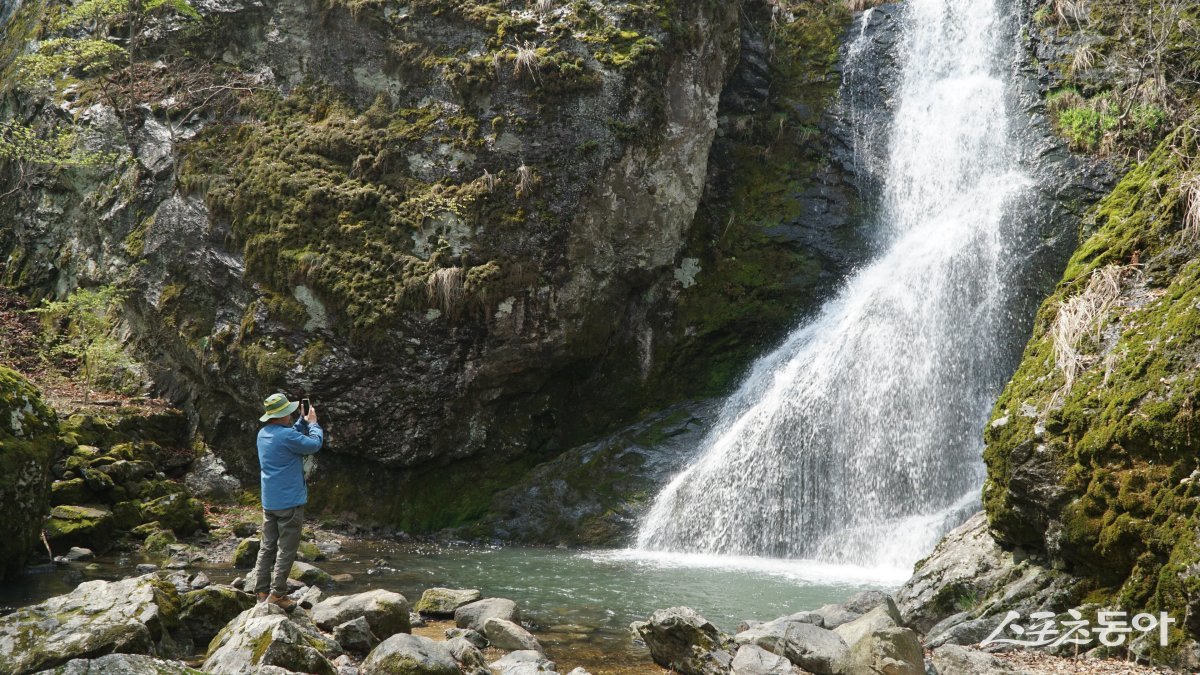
(1048, 629)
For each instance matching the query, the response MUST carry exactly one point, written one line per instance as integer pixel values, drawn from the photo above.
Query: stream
(579, 603)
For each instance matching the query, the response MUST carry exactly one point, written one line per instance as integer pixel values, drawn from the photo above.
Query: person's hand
(312, 414)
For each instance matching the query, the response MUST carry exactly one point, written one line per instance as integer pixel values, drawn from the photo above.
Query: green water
(579, 604)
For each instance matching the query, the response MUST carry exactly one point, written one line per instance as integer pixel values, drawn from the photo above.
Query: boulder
(77, 554)
(386, 612)
(204, 612)
(959, 660)
(123, 664)
(509, 636)
(404, 654)
(72, 491)
(865, 601)
(441, 602)
(833, 616)
(178, 512)
(265, 635)
(754, 660)
(87, 526)
(474, 615)
(807, 645)
(245, 555)
(308, 552)
(466, 653)
(208, 477)
(134, 616)
(309, 574)
(883, 616)
(773, 632)
(887, 651)
(523, 662)
(473, 636)
(682, 640)
(355, 636)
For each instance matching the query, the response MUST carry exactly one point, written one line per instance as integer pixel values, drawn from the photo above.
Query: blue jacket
(281, 453)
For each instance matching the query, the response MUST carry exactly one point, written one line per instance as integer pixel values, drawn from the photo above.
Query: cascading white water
(858, 440)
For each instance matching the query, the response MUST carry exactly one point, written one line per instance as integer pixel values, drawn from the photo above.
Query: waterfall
(858, 440)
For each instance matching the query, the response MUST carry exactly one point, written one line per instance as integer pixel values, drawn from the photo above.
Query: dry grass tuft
(543, 8)
(1190, 188)
(1081, 316)
(526, 179)
(1071, 11)
(1083, 59)
(527, 60)
(445, 289)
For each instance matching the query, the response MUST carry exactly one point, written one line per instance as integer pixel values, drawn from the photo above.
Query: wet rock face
(28, 445)
(137, 616)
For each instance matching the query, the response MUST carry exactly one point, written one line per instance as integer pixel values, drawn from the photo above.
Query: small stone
(343, 578)
(309, 574)
(200, 580)
(467, 654)
(78, 554)
(144, 568)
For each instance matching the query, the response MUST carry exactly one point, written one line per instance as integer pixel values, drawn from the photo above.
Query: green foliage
(81, 327)
(1084, 126)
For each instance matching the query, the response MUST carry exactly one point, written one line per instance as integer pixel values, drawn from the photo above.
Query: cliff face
(468, 230)
(1092, 447)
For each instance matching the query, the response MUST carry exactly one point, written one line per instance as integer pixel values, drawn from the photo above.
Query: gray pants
(280, 538)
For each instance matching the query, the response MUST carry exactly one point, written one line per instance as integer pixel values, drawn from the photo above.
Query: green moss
(29, 444)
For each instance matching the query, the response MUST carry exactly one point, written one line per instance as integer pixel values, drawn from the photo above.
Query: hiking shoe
(262, 597)
(283, 601)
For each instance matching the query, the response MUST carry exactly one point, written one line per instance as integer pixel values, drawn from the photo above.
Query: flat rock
(123, 664)
(509, 636)
(754, 660)
(681, 639)
(959, 660)
(265, 635)
(386, 612)
(475, 614)
(130, 616)
(310, 575)
(404, 654)
(523, 662)
(441, 602)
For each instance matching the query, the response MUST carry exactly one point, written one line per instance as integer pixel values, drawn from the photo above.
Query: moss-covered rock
(132, 616)
(264, 635)
(87, 526)
(29, 444)
(158, 542)
(73, 491)
(245, 555)
(309, 574)
(177, 512)
(206, 611)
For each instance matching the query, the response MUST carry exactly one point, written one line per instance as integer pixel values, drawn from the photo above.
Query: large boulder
(131, 616)
(355, 636)
(386, 612)
(29, 442)
(265, 635)
(442, 602)
(87, 526)
(474, 615)
(754, 660)
(404, 654)
(887, 651)
(509, 636)
(208, 477)
(805, 644)
(204, 612)
(123, 664)
(682, 640)
(883, 616)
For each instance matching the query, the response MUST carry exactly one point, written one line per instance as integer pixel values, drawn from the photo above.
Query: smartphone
(304, 405)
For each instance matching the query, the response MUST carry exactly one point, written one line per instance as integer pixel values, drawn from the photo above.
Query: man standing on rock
(282, 447)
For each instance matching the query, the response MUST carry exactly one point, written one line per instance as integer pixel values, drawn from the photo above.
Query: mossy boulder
(206, 611)
(177, 512)
(265, 635)
(386, 612)
(158, 542)
(441, 602)
(245, 555)
(88, 526)
(29, 444)
(136, 616)
(309, 574)
(72, 491)
(308, 552)
(127, 515)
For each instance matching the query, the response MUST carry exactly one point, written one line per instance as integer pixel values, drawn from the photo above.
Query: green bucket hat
(276, 406)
